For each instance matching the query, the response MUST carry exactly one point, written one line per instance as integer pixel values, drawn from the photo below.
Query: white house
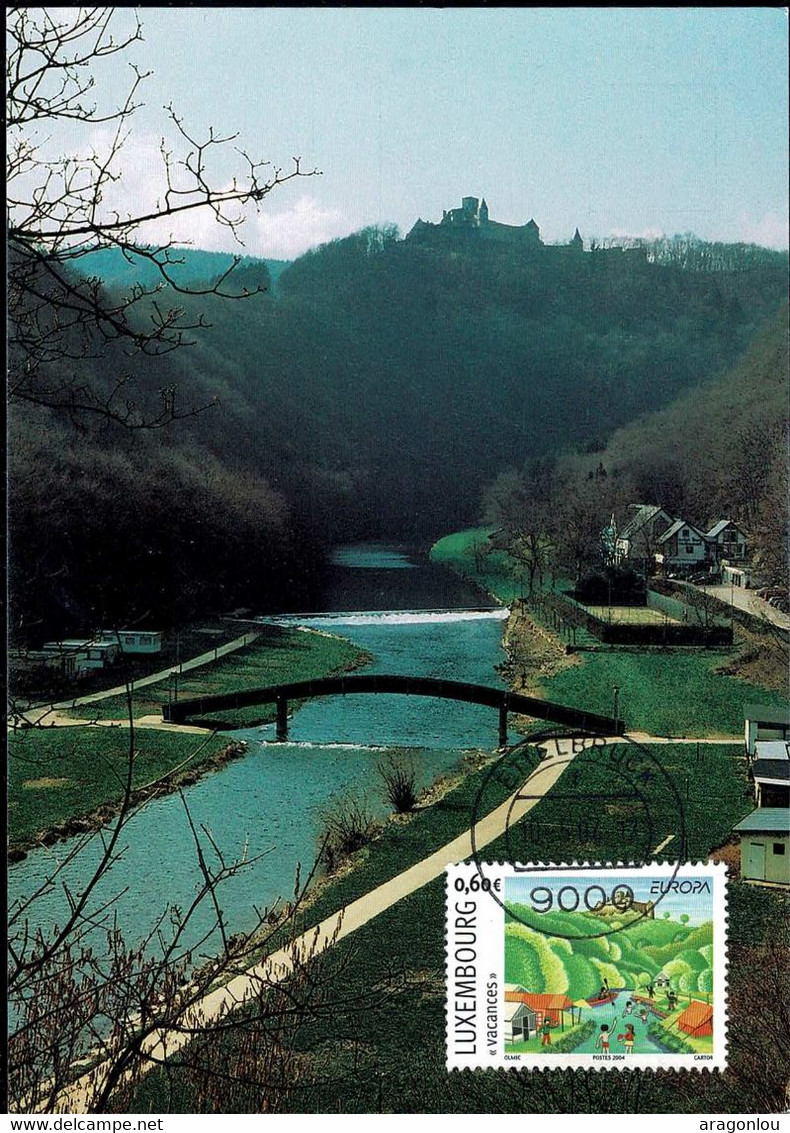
(520, 1022)
(135, 640)
(764, 722)
(637, 539)
(726, 541)
(771, 773)
(765, 845)
(79, 655)
(681, 545)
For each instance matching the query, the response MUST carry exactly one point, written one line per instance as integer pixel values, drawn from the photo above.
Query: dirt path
(59, 720)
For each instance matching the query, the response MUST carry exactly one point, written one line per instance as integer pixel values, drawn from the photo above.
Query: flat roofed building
(135, 640)
(764, 722)
(771, 773)
(765, 845)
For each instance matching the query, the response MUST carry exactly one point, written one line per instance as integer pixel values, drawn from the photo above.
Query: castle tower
(532, 232)
(483, 212)
(577, 241)
(469, 205)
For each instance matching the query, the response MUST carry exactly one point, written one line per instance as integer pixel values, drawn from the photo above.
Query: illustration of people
(602, 992)
(628, 1038)
(629, 1007)
(650, 990)
(545, 1030)
(643, 1015)
(602, 1041)
(672, 999)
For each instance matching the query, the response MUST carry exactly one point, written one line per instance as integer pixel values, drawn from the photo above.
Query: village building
(637, 540)
(681, 545)
(650, 535)
(771, 773)
(77, 656)
(726, 540)
(764, 722)
(135, 640)
(546, 1006)
(765, 845)
(520, 1022)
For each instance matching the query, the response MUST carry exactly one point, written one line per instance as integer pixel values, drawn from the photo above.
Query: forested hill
(373, 395)
(419, 370)
(187, 267)
(718, 450)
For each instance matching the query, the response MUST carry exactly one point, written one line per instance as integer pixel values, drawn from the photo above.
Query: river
(270, 804)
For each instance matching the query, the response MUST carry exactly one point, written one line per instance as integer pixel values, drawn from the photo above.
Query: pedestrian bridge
(505, 701)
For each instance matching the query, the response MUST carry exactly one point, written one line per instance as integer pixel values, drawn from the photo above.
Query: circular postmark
(607, 798)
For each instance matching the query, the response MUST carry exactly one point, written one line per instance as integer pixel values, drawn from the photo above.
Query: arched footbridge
(505, 701)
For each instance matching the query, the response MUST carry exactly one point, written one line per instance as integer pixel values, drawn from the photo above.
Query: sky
(698, 908)
(619, 121)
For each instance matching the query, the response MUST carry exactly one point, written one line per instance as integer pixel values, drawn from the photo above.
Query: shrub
(400, 783)
(348, 825)
(669, 1040)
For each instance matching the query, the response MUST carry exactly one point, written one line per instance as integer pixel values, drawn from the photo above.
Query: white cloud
(282, 226)
(290, 232)
(648, 233)
(770, 230)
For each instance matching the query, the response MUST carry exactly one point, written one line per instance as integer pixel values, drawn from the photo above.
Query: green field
(55, 774)
(496, 573)
(378, 1043)
(631, 615)
(662, 692)
(280, 654)
(60, 773)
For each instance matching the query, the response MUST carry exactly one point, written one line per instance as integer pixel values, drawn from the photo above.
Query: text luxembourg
(465, 978)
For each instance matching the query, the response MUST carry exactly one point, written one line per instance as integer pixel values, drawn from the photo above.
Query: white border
(477, 946)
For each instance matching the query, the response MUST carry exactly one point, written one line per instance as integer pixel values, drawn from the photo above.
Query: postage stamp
(595, 966)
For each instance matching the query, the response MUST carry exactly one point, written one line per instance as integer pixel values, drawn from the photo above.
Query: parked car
(769, 592)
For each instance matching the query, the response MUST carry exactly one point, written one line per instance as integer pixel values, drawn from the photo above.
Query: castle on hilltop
(472, 219)
(474, 214)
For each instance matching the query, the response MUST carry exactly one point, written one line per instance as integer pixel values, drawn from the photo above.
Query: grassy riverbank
(75, 775)
(664, 692)
(62, 775)
(377, 1041)
(277, 655)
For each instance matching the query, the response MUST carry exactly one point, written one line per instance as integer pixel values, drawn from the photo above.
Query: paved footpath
(34, 715)
(279, 965)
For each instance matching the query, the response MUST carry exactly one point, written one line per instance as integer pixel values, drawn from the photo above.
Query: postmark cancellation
(600, 967)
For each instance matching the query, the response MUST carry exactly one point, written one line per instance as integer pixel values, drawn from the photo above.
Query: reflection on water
(371, 556)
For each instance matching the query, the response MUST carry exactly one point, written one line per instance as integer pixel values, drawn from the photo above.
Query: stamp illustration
(597, 967)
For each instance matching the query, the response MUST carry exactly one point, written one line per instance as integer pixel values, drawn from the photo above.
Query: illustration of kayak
(600, 1001)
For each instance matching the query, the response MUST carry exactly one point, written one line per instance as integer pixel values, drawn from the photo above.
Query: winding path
(279, 965)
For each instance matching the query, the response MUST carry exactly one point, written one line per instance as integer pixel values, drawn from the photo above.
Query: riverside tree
(91, 1012)
(62, 207)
